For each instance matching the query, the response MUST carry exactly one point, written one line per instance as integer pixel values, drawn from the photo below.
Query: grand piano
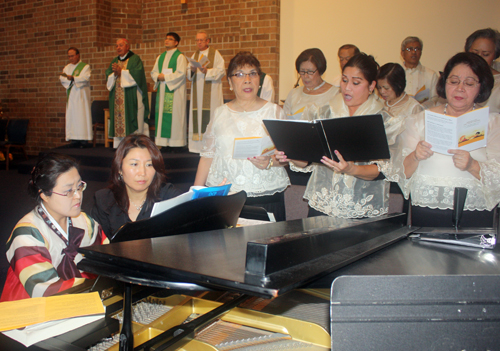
(267, 287)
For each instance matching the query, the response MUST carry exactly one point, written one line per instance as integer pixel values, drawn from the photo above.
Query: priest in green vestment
(128, 94)
(169, 75)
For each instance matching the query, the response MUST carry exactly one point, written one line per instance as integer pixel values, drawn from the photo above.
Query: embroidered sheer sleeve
(490, 169)
(208, 145)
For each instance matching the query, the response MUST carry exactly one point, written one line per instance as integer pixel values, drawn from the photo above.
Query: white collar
(63, 232)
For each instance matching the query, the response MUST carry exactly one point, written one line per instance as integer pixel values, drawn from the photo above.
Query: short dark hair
(175, 35)
(117, 185)
(366, 64)
(75, 49)
(480, 68)
(45, 173)
(348, 47)
(487, 33)
(243, 58)
(395, 75)
(313, 55)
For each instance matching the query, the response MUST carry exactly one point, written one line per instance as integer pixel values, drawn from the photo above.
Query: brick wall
(35, 34)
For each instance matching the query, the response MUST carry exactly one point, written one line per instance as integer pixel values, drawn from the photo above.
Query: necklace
(397, 102)
(446, 106)
(240, 106)
(138, 208)
(316, 87)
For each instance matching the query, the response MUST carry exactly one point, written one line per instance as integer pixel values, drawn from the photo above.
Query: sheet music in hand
(467, 132)
(357, 138)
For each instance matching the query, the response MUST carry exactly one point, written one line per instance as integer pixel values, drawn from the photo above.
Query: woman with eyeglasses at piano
(261, 177)
(466, 82)
(137, 181)
(42, 247)
(352, 189)
(315, 92)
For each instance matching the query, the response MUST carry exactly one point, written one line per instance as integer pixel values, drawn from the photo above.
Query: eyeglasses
(413, 49)
(70, 193)
(241, 75)
(469, 83)
(310, 73)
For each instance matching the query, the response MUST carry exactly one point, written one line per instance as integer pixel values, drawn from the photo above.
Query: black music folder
(357, 138)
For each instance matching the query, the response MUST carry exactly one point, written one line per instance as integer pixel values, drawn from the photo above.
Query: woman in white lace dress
(315, 92)
(467, 80)
(352, 189)
(391, 83)
(261, 177)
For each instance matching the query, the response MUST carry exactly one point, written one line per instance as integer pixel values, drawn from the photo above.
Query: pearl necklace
(397, 102)
(138, 208)
(446, 106)
(315, 88)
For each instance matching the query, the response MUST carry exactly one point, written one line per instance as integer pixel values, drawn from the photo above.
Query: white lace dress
(432, 185)
(218, 144)
(298, 103)
(410, 107)
(344, 196)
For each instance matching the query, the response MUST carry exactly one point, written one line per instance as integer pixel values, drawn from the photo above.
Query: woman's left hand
(341, 167)
(463, 160)
(261, 162)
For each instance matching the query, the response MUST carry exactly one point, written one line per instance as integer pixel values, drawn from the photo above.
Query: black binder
(357, 138)
(207, 213)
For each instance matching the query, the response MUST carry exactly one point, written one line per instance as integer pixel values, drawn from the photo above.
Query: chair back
(17, 130)
(97, 110)
(3, 128)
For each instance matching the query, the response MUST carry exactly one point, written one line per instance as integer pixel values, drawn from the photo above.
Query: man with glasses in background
(206, 69)
(420, 81)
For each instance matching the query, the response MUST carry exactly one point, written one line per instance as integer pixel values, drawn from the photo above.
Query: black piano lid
(218, 259)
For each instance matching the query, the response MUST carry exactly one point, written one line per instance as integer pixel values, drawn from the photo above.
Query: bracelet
(270, 164)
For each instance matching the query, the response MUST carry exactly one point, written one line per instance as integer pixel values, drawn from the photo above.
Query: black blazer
(111, 217)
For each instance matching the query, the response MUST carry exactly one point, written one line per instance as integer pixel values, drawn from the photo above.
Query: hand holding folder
(358, 138)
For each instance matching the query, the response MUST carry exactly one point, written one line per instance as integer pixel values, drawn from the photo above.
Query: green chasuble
(136, 69)
(207, 93)
(76, 73)
(168, 98)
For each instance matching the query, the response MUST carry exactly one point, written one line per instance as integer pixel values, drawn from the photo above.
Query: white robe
(176, 82)
(214, 75)
(417, 78)
(267, 92)
(78, 113)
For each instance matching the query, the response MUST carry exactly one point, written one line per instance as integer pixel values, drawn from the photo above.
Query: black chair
(17, 129)
(97, 110)
(3, 129)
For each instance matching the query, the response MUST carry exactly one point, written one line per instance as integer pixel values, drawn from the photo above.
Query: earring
(260, 86)
(119, 176)
(231, 88)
